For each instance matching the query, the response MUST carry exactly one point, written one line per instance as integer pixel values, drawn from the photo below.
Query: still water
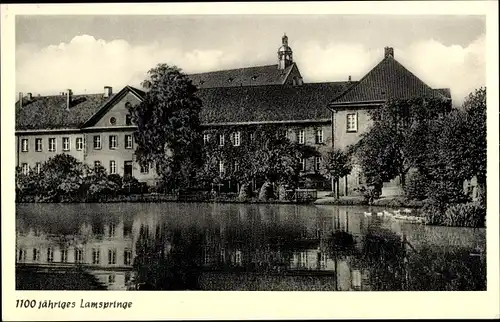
(204, 246)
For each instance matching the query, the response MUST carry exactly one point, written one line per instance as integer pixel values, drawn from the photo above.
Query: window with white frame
(206, 138)
(50, 255)
(65, 144)
(78, 255)
(25, 169)
(79, 144)
(252, 136)
(97, 142)
(97, 165)
(303, 165)
(111, 256)
(128, 119)
(145, 168)
(112, 230)
(221, 167)
(22, 255)
(352, 122)
(317, 163)
(24, 145)
(221, 139)
(319, 136)
(52, 144)
(301, 136)
(112, 167)
(236, 138)
(38, 144)
(96, 256)
(127, 257)
(113, 142)
(64, 255)
(111, 279)
(38, 167)
(36, 255)
(128, 141)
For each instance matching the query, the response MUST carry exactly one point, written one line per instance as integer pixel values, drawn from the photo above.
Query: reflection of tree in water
(383, 255)
(169, 259)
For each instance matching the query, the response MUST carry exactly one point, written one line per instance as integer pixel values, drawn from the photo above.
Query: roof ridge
(231, 69)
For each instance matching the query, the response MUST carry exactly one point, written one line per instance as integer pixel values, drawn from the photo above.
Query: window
(128, 141)
(50, 255)
(65, 144)
(52, 144)
(36, 255)
(236, 166)
(221, 139)
(128, 119)
(236, 138)
(64, 255)
(252, 136)
(79, 144)
(317, 163)
(38, 144)
(221, 167)
(111, 256)
(25, 168)
(319, 136)
(24, 145)
(97, 141)
(38, 167)
(112, 121)
(127, 257)
(22, 255)
(97, 165)
(78, 255)
(352, 122)
(145, 168)
(112, 142)
(112, 230)
(206, 138)
(96, 254)
(111, 279)
(112, 167)
(303, 165)
(301, 136)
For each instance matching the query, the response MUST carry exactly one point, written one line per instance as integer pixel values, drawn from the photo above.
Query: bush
(432, 213)
(465, 215)
(416, 186)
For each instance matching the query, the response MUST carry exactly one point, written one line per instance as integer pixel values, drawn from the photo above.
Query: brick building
(96, 129)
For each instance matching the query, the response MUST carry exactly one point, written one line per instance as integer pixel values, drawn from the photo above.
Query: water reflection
(177, 246)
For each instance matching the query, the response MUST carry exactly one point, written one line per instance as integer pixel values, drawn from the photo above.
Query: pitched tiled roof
(268, 103)
(389, 79)
(444, 91)
(49, 112)
(251, 76)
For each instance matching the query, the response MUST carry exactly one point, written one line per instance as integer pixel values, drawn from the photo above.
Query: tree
(336, 164)
(397, 140)
(168, 126)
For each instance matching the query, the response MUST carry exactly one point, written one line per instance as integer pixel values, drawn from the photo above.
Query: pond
(263, 247)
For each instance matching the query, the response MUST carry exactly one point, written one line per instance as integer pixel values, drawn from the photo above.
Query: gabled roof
(49, 112)
(250, 76)
(268, 103)
(109, 104)
(388, 79)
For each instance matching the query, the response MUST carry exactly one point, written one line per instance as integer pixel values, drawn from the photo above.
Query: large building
(97, 129)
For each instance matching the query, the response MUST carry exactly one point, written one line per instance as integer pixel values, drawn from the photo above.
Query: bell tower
(285, 54)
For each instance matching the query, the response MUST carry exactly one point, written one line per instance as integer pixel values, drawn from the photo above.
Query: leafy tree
(336, 164)
(397, 140)
(168, 126)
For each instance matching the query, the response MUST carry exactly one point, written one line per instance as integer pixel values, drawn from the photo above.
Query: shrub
(465, 215)
(432, 213)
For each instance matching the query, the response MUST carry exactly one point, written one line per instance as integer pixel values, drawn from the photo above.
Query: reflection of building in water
(107, 254)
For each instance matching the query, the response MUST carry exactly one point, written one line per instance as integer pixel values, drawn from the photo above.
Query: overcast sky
(86, 53)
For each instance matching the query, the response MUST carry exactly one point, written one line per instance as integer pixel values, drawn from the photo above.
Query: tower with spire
(285, 54)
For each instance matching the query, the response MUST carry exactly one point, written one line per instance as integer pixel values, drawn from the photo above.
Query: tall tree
(168, 126)
(397, 140)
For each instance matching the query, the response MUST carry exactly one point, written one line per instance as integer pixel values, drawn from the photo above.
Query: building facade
(97, 129)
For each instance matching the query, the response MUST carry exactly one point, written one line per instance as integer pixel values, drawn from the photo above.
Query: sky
(86, 53)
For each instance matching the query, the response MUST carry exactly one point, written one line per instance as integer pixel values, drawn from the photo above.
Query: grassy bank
(389, 202)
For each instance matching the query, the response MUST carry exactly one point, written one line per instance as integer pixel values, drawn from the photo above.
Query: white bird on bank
(397, 212)
(407, 211)
(380, 214)
(367, 214)
(386, 213)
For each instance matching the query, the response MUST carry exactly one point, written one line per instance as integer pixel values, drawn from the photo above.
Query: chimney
(389, 51)
(349, 79)
(108, 91)
(30, 96)
(20, 99)
(68, 98)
